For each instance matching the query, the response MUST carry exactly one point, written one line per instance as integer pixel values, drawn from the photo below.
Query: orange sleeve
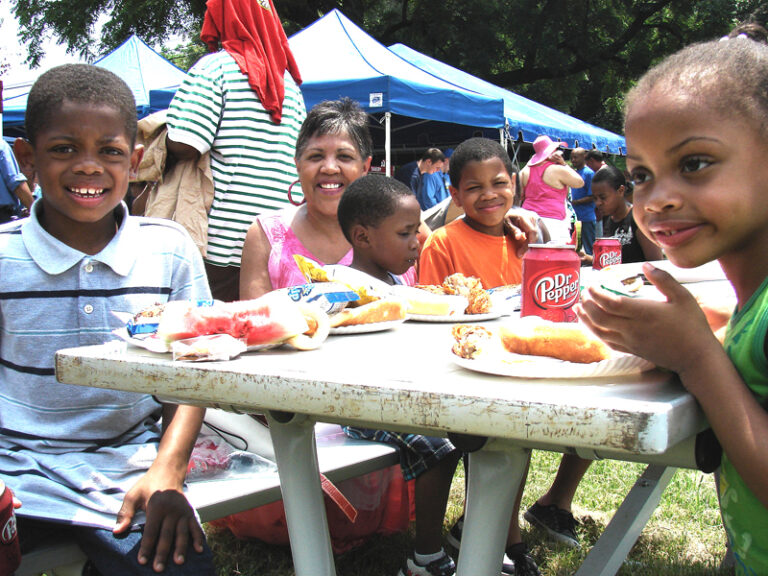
(434, 263)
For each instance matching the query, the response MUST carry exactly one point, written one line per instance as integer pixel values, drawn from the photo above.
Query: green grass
(684, 536)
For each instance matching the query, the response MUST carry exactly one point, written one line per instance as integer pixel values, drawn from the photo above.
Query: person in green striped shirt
(217, 110)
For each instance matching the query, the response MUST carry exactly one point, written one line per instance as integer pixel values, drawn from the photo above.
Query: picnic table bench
(339, 457)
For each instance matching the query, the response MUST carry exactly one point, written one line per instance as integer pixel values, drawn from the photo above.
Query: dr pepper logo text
(555, 289)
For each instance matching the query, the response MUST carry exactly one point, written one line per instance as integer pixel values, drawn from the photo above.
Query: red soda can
(605, 252)
(10, 556)
(551, 282)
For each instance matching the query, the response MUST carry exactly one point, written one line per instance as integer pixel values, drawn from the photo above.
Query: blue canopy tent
(402, 88)
(134, 61)
(337, 58)
(525, 118)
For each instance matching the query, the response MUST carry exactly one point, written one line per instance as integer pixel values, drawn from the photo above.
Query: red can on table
(551, 282)
(10, 553)
(605, 252)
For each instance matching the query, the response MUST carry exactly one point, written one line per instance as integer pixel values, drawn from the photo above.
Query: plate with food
(425, 302)
(368, 327)
(458, 299)
(541, 367)
(265, 322)
(536, 348)
(381, 314)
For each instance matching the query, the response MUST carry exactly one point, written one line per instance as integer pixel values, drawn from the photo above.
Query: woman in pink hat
(544, 182)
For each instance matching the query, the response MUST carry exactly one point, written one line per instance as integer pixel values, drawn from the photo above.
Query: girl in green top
(697, 141)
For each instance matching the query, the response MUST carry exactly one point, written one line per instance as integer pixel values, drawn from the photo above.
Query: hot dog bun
(564, 340)
(384, 310)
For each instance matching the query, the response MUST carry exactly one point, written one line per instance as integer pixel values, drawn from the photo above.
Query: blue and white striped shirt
(69, 452)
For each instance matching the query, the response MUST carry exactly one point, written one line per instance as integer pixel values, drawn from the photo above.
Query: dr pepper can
(10, 554)
(606, 252)
(551, 282)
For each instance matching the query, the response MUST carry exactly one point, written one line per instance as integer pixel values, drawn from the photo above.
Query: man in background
(14, 190)
(595, 160)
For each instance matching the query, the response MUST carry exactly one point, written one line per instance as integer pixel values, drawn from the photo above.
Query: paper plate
(364, 328)
(455, 317)
(521, 366)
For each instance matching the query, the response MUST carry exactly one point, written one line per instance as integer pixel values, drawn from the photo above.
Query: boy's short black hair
(477, 150)
(610, 174)
(81, 83)
(369, 200)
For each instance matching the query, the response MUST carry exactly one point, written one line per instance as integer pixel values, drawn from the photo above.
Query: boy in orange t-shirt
(483, 184)
(476, 245)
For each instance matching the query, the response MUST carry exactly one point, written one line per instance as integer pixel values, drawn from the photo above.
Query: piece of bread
(384, 310)
(427, 303)
(564, 340)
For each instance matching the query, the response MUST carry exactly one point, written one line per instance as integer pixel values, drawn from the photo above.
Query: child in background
(696, 146)
(87, 462)
(552, 512)
(483, 184)
(380, 217)
(610, 199)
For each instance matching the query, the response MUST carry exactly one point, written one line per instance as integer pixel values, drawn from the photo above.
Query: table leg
(494, 478)
(293, 438)
(613, 546)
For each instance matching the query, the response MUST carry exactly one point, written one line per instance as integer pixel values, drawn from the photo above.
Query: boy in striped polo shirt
(92, 463)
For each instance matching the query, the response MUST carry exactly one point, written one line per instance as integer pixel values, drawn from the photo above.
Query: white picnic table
(405, 379)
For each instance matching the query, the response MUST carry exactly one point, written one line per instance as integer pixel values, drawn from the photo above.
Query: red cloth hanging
(251, 32)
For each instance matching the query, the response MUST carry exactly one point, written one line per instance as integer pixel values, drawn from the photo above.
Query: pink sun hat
(543, 147)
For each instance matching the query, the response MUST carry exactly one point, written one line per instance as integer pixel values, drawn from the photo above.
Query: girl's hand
(670, 334)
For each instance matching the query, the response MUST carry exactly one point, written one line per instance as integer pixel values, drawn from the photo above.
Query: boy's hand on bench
(171, 523)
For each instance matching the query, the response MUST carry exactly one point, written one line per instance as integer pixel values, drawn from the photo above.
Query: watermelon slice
(270, 319)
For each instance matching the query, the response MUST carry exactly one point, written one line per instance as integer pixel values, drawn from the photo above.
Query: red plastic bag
(381, 499)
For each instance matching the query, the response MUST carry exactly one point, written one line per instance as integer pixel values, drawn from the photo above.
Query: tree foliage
(577, 56)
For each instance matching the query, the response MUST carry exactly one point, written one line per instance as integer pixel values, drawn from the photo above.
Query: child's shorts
(112, 555)
(417, 453)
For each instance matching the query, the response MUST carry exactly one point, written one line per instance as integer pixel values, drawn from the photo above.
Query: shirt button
(89, 267)
(88, 308)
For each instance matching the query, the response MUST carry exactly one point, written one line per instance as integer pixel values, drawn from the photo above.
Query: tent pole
(502, 140)
(387, 144)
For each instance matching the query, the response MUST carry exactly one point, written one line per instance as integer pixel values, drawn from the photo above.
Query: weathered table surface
(405, 379)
